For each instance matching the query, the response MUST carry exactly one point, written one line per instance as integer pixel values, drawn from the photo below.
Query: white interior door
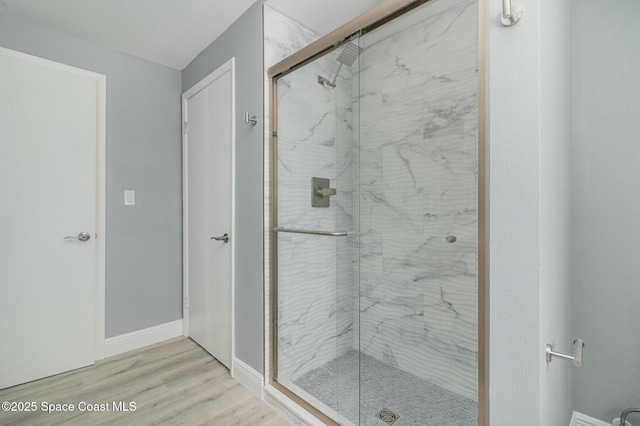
(48, 138)
(209, 180)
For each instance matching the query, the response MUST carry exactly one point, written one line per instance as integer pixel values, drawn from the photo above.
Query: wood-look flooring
(172, 383)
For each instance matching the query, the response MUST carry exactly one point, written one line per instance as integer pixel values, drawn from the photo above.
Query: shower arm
(336, 76)
(510, 14)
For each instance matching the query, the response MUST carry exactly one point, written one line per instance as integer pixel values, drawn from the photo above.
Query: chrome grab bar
(576, 359)
(304, 231)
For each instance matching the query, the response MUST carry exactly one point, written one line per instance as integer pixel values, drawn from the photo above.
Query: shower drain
(387, 416)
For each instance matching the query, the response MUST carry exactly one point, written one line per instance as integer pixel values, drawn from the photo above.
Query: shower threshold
(325, 409)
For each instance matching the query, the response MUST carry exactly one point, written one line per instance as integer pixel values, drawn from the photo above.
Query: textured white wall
(556, 394)
(515, 217)
(530, 214)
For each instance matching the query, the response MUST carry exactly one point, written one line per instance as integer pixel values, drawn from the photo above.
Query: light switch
(129, 197)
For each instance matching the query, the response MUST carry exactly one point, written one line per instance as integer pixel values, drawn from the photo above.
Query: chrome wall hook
(253, 120)
(510, 14)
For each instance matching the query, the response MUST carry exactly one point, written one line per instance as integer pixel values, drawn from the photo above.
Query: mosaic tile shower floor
(416, 401)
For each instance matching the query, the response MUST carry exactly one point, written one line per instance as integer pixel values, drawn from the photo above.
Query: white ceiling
(169, 32)
(322, 16)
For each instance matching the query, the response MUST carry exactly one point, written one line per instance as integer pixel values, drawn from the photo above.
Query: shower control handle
(321, 192)
(325, 192)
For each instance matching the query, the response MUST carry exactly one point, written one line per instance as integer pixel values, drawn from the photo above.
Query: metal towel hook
(253, 119)
(510, 14)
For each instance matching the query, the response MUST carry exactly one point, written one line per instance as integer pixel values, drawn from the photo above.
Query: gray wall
(243, 40)
(606, 171)
(144, 254)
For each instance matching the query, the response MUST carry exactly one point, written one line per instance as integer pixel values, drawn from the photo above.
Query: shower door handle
(224, 238)
(310, 232)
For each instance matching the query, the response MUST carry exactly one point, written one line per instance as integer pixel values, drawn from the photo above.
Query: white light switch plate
(129, 197)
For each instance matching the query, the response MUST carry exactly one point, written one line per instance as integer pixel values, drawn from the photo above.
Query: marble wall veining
(418, 186)
(314, 316)
(282, 37)
(314, 140)
(398, 139)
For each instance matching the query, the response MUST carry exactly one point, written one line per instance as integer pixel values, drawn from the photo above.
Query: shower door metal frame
(373, 18)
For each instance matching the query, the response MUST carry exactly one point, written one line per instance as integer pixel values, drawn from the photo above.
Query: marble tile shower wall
(315, 305)
(418, 185)
(282, 37)
(414, 114)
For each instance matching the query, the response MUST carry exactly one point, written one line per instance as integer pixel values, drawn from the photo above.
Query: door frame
(101, 155)
(228, 66)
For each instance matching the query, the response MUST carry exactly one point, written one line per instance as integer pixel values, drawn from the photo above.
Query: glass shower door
(376, 223)
(315, 239)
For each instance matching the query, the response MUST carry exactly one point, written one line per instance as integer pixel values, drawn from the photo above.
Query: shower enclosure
(377, 308)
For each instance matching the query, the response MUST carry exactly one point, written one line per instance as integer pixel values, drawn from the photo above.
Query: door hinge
(274, 134)
(275, 324)
(185, 127)
(186, 303)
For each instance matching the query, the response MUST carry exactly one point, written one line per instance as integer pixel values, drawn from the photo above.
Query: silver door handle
(224, 238)
(83, 236)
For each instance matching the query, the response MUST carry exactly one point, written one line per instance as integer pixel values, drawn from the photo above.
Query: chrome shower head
(349, 54)
(347, 57)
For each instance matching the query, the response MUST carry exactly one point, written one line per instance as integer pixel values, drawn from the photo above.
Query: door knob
(224, 238)
(83, 236)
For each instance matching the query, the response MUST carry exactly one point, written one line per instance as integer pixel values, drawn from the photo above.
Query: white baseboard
(248, 377)
(139, 339)
(579, 419)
